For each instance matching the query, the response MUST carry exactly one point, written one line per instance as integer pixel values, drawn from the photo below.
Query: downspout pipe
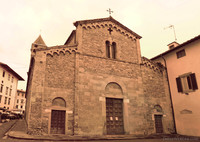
(170, 95)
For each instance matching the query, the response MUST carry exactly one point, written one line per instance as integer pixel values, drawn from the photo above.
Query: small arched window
(114, 50)
(59, 102)
(108, 49)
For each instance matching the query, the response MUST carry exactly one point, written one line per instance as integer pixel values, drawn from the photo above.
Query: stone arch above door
(117, 81)
(113, 89)
(158, 109)
(59, 102)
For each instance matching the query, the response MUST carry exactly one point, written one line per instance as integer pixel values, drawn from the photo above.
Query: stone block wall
(156, 92)
(35, 92)
(53, 76)
(93, 42)
(95, 73)
(82, 77)
(59, 82)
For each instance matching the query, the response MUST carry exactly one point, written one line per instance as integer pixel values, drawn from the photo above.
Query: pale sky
(21, 22)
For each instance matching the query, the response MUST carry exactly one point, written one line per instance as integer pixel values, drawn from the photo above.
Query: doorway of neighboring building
(58, 121)
(114, 116)
(158, 123)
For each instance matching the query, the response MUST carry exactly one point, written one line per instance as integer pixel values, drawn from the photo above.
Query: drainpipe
(170, 95)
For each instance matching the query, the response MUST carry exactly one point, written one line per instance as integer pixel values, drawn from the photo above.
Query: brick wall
(81, 78)
(94, 75)
(93, 43)
(156, 92)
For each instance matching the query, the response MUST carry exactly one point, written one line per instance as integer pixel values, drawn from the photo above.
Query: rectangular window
(0, 98)
(21, 106)
(114, 50)
(180, 53)
(9, 101)
(18, 94)
(108, 49)
(6, 90)
(1, 89)
(17, 100)
(16, 106)
(186, 83)
(8, 77)
(22, 100)
(12, 79)
(5, 100)
(10, 92)
(3, 74)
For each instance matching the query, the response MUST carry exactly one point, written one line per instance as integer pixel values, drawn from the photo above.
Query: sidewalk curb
(70, 138)
(16, 134)
(21, 135)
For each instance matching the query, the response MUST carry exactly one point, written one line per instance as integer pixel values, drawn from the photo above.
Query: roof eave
(107, 19)
(179, 46)
(12, 71)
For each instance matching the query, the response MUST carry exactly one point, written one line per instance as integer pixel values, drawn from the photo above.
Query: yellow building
(8, 86)
(20, 102)
(182, 62)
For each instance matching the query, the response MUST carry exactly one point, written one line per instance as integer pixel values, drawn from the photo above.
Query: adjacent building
(20, 102)
(97, 83)
(182, 62)
(8, 86)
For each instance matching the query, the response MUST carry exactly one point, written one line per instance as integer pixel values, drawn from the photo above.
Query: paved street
(19, 126)
(137, 140)
(4, 127)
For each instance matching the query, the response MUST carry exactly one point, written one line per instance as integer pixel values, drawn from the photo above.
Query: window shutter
(179, 85)
(194, 82)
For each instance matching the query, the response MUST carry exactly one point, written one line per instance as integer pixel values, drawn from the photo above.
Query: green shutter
(179, 85)
(194, 82)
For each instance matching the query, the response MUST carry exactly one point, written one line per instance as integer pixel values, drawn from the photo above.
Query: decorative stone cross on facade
(109, 11)
(110, 30)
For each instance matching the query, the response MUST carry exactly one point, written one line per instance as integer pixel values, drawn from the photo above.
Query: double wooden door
(114, 116)
(58, 121)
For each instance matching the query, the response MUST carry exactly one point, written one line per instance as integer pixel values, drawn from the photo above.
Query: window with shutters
(187, 83)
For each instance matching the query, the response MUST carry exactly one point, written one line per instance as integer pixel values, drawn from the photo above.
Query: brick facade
(80, 73)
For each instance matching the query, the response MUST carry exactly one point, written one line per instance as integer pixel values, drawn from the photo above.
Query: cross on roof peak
(109, 11)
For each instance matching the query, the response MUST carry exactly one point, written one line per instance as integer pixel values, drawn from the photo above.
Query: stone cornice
(57, 49)
(152, 65)
(108, 22)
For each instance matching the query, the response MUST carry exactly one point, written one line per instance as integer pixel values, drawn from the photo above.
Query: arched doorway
(114, 109)
(58, 117)
(158, 118)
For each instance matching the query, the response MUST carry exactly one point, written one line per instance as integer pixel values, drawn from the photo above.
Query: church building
(97, 83)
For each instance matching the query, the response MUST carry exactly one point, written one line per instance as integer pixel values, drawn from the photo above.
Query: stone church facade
(97, 83)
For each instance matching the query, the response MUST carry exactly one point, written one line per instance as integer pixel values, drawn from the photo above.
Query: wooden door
(58, 122)
(158, 123)
(114, 116)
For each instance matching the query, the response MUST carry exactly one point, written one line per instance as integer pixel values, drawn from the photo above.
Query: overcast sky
(21, 22)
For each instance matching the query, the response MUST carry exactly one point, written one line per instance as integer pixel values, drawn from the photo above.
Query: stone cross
(109, 11)
(110, 30)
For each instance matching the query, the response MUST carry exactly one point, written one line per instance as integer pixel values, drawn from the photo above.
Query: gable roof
(39, 40)
(106, 19)
(73, 34)
(177, 47)
(5, 66)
